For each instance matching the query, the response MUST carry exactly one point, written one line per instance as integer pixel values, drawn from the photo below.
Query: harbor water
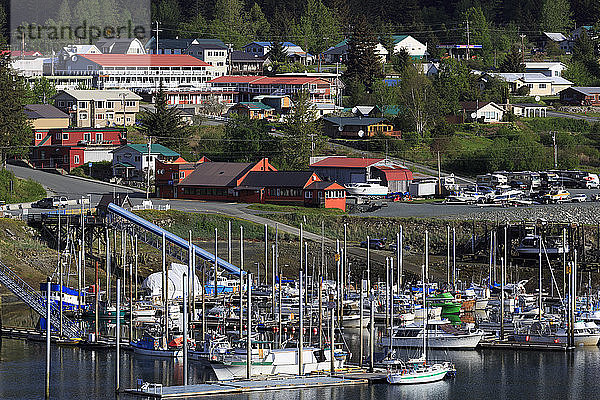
(483, 374)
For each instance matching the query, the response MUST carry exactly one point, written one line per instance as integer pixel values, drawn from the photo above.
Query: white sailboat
(416, 371)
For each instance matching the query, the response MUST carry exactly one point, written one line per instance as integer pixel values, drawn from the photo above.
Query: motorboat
(266, 361)
(151, 346)
(551, 246)
(369, 188)
(586, 334)
(440, 334)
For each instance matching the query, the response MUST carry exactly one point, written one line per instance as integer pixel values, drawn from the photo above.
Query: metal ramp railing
(37, 302)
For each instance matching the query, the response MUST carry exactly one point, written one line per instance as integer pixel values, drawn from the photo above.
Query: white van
(592, 181)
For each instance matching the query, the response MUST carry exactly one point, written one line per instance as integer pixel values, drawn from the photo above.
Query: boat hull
(465, 342)
(412, 378)
(228, 371)
(158, 353)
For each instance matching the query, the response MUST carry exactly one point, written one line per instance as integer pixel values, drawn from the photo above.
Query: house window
(110, 115)
(61, 103)
(542, 86)
(181, 174)
(109, 104)
(76, 159)
(87, 136)
(308, 194)
(99, 104)
(65, 136)
(38, 136)
(99, 116)
(82, 104)
(98, 137)
(83, 115)
(130, 104)
(137, 158)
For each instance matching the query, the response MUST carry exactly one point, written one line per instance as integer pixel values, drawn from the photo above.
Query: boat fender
(556, 341)
(527, 338)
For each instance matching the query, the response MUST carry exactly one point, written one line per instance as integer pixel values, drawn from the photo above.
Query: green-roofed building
(130, 162)
(253, 110)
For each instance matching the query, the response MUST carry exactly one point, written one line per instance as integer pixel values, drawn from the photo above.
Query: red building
(250, 183)
(68, 148)
(169, 174)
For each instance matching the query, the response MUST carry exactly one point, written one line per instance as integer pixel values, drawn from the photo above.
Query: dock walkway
(242, 386)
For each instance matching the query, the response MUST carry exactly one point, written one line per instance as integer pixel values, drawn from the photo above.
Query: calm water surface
(484, 374)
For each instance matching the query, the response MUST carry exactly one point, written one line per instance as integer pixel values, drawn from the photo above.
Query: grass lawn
(23, 191)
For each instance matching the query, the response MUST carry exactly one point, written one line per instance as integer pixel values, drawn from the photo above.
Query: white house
(551, 68)
(339, 53)
(293, 51)
(481, 111)
(538, 83)
(29, 66)
(564, 43)
(414, 48)
(121, 46)
(211, 51)
(131, 161)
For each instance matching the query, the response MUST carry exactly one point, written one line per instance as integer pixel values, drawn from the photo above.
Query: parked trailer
(423, 188)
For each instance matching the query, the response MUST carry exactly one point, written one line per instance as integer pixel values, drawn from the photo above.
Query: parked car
(579, 198)
(377, 244)
(556, 196)
(51, 202)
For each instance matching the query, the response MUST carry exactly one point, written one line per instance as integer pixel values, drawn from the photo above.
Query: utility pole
(439, 165)
(157, 30)
(555, 150)
(468, 41)
(148, 168)
(522, 47)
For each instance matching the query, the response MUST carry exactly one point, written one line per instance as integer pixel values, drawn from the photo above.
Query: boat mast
(425, 313)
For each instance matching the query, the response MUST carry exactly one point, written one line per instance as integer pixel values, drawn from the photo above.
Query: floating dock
(242, 386)
(512, 345)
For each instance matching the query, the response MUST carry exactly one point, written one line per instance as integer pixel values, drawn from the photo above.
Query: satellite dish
(537, 98)
(340, 128)
(361, 133)
(474, 115)
(74, 107)
(73, 58)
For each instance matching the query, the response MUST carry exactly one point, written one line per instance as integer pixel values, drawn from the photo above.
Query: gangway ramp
(182, 244)
(37, 302)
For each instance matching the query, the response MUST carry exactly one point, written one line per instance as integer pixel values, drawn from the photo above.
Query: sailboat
(416, 371)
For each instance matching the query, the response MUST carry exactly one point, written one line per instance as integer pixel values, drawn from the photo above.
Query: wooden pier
(241, 386)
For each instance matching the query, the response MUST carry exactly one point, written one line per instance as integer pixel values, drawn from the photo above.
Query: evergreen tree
(230, 23)
(401, 59)
(302, 134)
(318, 28)
(513, 62)
(15, 131)
(363, 64)
(277, 53)
(164, 123)
(584, 48)
(247, 140)
(556, 16)
(41, 92)
(258, 25)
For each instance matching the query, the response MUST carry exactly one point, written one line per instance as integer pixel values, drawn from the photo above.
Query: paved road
(572, 116)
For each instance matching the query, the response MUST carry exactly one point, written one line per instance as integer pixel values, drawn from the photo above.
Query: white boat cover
(153, 283)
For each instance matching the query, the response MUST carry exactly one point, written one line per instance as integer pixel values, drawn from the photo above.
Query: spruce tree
(164, 123)
(363, 65)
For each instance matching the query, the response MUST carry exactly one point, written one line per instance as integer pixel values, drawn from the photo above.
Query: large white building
(140, 72)
(413, 47)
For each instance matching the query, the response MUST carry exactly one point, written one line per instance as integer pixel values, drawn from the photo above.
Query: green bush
(23, 191)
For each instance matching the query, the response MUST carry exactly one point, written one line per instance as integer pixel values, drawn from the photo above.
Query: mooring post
(361, 324)
(301, 332)
(118, 336)
(248, 326)
(185, 329)
(372, 334)
(48, 287)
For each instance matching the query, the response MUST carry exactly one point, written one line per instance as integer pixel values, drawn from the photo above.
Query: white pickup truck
(52, 202)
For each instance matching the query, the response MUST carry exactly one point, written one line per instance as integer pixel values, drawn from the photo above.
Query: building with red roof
(319, 89)
(345, 170)
(141, 72)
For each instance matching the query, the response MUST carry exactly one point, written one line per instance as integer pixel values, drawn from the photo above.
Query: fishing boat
(151, 346)
(446, 302)
(369, 188)
(214, 348)
(276, 361)
(70, 297)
